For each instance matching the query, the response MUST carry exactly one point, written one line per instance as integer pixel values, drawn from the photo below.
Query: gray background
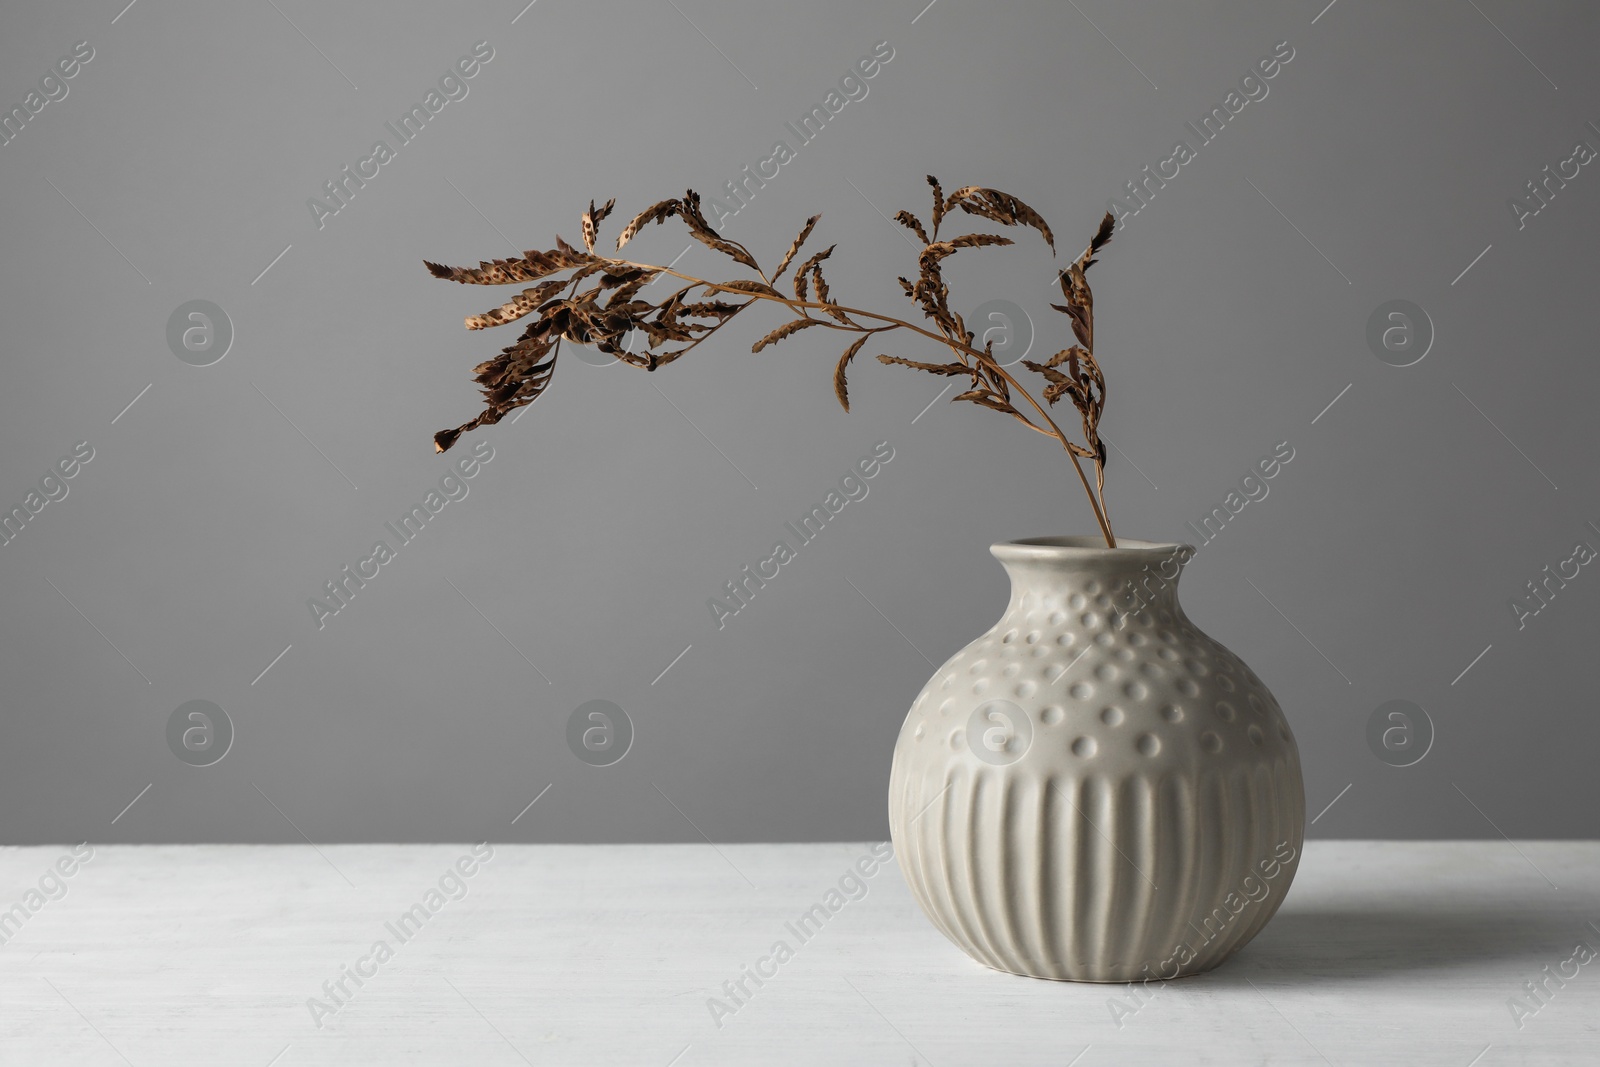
(226, 495)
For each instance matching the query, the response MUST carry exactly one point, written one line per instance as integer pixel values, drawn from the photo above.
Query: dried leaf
(713, 309)
(511, 380)
(932, 254)
(591, 221)
(912, 223)
(745, 286)
(831, 309)
(946, 369)
(999, 207)
(1056, 390)
(942, 249)
(938, 203)
(731, 249)
(938, 250)
(1101, 238)
(533, 266)
(783, 331)
(1080, 304)
(657, 212)
(992, 374)
(611, 279)
(629, 288)
(805, 231)
(987, 399)
(1066, 355)
(979, 240)
(518, 306)
(805, 268)
(445, 438)
(701, 231)
(841, 388)
(1050, 373)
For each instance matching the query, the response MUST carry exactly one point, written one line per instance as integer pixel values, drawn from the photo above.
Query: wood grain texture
(1384, 952)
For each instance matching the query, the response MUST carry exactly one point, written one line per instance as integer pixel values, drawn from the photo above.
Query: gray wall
(1233, 308)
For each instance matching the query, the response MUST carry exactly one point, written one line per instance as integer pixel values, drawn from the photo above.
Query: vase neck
(1076, 576)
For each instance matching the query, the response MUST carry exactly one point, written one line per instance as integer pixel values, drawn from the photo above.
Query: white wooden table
(1404, 953)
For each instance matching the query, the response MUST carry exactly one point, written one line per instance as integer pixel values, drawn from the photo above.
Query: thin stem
(897, 323)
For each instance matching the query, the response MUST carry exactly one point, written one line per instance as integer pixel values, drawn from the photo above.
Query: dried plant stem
(1096, 501)
(611, 313)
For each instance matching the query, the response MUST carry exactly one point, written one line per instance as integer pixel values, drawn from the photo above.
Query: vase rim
(1086, 549)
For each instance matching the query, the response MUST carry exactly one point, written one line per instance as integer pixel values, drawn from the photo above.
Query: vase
(1094, 790)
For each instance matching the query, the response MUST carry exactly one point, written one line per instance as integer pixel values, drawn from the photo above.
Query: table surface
(1384, 952)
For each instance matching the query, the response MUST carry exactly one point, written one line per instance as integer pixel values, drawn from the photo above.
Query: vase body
(1094, 790)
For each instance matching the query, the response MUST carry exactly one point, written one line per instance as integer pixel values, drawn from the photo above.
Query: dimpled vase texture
(1094, 790)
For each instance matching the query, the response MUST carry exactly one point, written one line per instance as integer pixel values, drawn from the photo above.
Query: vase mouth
(1080, 550)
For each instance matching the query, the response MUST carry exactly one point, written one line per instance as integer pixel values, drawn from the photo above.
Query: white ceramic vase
(1094, 790)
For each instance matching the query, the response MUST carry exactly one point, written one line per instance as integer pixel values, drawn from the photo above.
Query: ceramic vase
(1094, 790)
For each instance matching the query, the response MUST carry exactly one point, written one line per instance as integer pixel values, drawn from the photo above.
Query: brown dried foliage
(589, 298)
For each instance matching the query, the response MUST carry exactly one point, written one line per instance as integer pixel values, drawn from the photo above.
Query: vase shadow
(1355, 946)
